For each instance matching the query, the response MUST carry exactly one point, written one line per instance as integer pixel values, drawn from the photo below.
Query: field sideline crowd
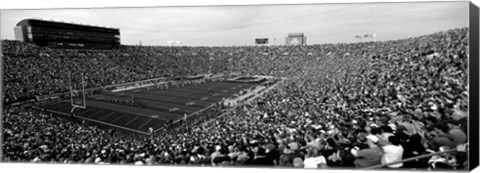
(344, 106)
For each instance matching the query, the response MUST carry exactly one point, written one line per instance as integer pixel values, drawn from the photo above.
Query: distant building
(296, 39)
(61, 34)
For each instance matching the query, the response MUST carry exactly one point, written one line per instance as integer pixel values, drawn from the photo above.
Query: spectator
(313, 159)
(393, 152)
(260, 159)
(459, 137)
(441, 137)
(414, 148)
(368, 157)
(222, 158)
(461, 117)
(272, 153)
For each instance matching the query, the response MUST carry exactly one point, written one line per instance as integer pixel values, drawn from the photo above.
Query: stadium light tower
(359, 37)
(372, 36)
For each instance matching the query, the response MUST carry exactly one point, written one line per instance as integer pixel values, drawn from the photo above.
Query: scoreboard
(296, 39)
(261, 41)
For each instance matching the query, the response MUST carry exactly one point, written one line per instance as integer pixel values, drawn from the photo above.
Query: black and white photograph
(327, 86)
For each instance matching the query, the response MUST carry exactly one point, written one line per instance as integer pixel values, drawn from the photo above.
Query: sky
(240, 25)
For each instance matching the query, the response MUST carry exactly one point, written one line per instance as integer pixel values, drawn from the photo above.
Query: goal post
(77, 92)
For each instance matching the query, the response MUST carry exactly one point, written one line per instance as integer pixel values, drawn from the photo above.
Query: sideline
(96, 121)
(283, 79)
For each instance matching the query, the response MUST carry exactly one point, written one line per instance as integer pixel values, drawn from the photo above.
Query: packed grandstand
(343, 105)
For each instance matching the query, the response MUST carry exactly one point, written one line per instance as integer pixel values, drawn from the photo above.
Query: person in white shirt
(393, 152)
(386, 133)
(313, 159)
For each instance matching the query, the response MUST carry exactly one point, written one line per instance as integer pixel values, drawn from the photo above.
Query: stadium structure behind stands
(61, 34)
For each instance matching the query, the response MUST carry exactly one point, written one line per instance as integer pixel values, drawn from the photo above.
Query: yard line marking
(132, 120)
(118, 117)
(106, 115)
(145, 123)
(88, 110)
(97, 112)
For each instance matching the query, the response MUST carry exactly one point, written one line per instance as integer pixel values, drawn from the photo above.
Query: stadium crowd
(344, 105)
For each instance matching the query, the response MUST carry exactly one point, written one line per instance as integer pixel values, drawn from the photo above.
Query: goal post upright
(71, 87)
(72, 93)
(83, 91)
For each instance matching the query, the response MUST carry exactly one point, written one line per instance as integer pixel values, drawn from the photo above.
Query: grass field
(159, 105)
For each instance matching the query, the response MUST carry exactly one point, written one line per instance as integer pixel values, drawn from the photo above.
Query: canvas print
(311, 86)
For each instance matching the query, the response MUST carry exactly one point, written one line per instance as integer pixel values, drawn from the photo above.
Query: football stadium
(72, 93)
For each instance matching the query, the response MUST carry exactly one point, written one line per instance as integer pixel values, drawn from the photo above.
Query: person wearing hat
(370, 156)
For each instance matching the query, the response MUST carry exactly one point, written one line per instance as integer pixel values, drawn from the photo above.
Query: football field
(157, 105)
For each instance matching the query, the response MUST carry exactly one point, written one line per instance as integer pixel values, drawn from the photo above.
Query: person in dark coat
(222, 157)
(260, 158)
(414, 148)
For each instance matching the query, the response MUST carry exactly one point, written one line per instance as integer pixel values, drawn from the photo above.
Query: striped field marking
(121, 116)
(106, 115)
(98, 112)
(132, 120)
(145, 123)
(100, 122)
(88, 110)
